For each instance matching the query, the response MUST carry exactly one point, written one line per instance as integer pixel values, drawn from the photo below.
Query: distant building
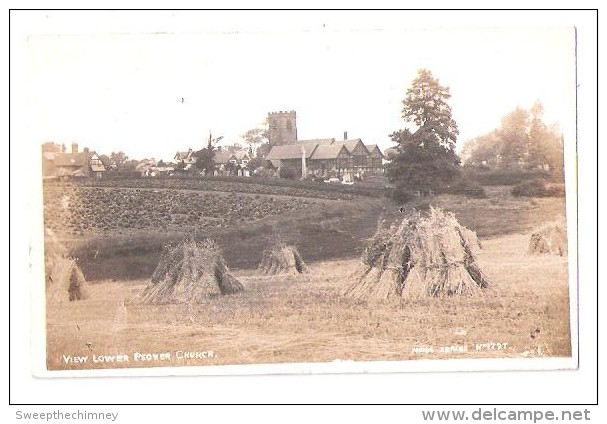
(282, 127)
(73, 164)
(230, 160)
(185, 159)
(348, 159)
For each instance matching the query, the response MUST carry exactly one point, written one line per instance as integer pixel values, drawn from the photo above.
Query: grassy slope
(331, 229)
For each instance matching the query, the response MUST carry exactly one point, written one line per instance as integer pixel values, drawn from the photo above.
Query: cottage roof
(97, 167)
(351, 144)
(241, 154)
(291, 151)
(223, 156)
(318, 141)
(374, 147)
(328, 151)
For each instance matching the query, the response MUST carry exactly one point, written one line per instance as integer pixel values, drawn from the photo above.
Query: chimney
(345, 135)
(74, 147)
(86, 150)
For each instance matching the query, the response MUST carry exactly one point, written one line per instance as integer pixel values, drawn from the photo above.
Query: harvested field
(298, 317)
(305, 319)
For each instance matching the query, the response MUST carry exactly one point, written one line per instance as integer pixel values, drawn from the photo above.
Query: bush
(262, 173)
(467, 188)
(497, 177)
(533, 188)
(557, 190)
(402, 195)
(121, 175)
(288, 173)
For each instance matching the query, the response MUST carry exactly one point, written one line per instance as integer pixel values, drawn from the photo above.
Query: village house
(73, 164)
(230, 160)
(185, 159)
(348, 160)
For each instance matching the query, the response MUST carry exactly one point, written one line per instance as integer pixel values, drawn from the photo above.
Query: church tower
(282, 127)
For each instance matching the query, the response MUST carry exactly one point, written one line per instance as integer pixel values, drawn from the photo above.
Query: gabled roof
(351, 144)
(241, 154)
(97, 167)
(372, 147)
(223, 156)
(318, 141)
(184, 155)
(291, 151)
(331, 151)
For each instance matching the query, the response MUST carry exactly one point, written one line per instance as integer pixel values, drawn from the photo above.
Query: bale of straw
(427, 255)
(550, 239)
(188, 273)
(281, 259)
(64, 278)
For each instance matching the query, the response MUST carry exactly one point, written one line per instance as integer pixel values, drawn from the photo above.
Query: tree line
(426, 161)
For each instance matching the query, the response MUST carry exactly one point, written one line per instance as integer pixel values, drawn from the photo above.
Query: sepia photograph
(276, 189)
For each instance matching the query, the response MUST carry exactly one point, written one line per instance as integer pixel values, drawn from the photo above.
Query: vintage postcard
(270, 192)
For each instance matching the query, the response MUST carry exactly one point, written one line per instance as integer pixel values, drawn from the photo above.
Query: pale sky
(116, 86)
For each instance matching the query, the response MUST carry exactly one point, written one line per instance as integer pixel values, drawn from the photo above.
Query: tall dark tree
(205, 158)
(426, 158)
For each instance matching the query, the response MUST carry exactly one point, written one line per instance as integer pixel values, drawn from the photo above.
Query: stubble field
(278, 319)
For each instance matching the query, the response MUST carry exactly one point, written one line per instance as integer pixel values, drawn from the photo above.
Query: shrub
(467, 188)
(532, 188)
(496, 177)
(122, 175)
(262, 173)
(557, 190)
(402, 195)
(288, 172)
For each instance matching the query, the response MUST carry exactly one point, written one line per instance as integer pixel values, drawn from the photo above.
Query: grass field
(525, 313)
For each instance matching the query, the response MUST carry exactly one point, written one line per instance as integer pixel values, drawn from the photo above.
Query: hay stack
(64, 278)
(281, 259)
(551, 239)
(188, 273)
(423, 256)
